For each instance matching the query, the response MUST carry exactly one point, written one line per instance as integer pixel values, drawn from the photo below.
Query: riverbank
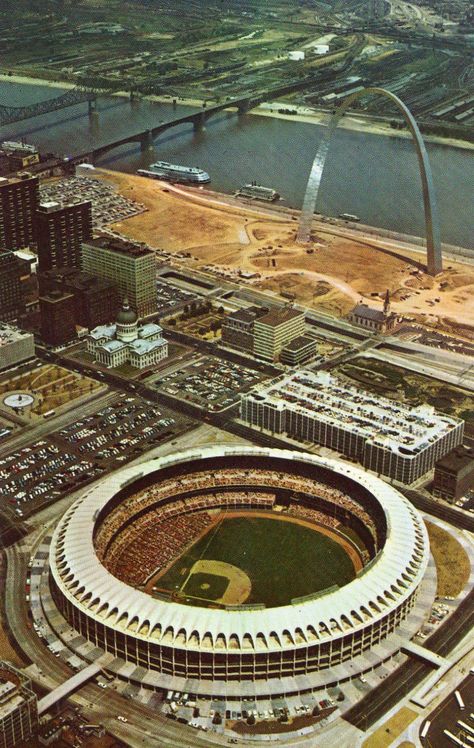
(352, 122)
(224, 236)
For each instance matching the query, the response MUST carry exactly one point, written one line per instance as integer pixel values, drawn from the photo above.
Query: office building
(127, 342)
(12, 305)
(129, 266)
(299, 351)
(237, 328)
(19, 199)
(18, 707)
(454, 474)
(16, 346)
(96, 300)
(57, 318)
(400, 441)
(60, 231)
(275, 330)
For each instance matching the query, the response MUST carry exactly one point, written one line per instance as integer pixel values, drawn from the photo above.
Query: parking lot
(108, 206)
(171, 298)
(60, 462)
(210, 383)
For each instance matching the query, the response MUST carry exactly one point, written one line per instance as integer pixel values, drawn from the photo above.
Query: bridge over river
(198, 119)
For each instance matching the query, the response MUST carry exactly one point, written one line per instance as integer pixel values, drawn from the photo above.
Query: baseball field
(253, 559)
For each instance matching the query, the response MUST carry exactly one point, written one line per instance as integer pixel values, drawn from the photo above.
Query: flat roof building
(299, 350)
(275, 330)
(12, 304)
(96, 300)
(19, 199)
(385, 436)
(57, 318)
(454, 474)
(238, 327)
(16, 346)
(60, 231)
(18, 707)
(130, 266)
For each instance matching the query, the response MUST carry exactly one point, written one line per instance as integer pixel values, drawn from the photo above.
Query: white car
(121, 719)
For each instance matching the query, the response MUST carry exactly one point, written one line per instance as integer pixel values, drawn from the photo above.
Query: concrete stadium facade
(244, 649)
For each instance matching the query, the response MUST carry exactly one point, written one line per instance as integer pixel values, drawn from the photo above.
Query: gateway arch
(433, 234)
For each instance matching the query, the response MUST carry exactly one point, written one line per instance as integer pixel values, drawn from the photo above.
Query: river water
(373, 176)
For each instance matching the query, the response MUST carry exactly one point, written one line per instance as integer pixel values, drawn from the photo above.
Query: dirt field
(333, 274)
(452, 562)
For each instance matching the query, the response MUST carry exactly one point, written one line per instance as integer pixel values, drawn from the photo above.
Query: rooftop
(10, 334)
(363, 310)
(280, 316)
(460, 459)
(117, 245)
(300, 342)
(385, 423)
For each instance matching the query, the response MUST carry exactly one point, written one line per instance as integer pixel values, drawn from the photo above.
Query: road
(397, 685)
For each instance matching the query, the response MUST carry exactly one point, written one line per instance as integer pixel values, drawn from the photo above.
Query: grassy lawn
(407, 386)
(282, 559)
(452, 561)
(386, 734)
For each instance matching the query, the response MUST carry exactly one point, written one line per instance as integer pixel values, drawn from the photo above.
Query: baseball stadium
(229, 569)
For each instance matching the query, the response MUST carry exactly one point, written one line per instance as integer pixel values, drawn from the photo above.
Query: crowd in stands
(168, 518)
(157, 545)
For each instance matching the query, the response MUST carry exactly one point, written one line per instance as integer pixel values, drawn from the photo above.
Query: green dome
(126, 316)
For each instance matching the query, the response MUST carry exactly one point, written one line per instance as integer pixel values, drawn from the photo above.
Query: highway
(397, 685)
(145, 726)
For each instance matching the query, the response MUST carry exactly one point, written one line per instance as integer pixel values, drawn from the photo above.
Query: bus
(49, 413)
(459, 700)
(425, 729)
(466, 728)
(454, 739)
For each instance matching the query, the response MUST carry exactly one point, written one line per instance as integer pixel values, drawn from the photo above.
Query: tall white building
(275, 330)
(383, 435)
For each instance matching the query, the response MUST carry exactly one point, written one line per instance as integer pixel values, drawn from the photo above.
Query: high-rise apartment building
(57, 318)
(18, 707)
(12, 304)
(19, 199)
(275, 330)
(60, 231)
(129, 266)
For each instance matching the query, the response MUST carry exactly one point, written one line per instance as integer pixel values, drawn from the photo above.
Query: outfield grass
(282, 559)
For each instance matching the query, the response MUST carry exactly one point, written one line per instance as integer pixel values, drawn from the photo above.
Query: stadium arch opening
(432, 225)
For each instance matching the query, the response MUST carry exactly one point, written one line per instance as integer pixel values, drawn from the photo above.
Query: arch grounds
(432, 226)
(214, 647)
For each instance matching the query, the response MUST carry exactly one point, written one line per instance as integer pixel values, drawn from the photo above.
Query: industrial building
(454, 474)
(19, 199)
(385, 436)
(129, 266)
(60, 231)
(16, 346)
(274, 330)
(18, 707)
